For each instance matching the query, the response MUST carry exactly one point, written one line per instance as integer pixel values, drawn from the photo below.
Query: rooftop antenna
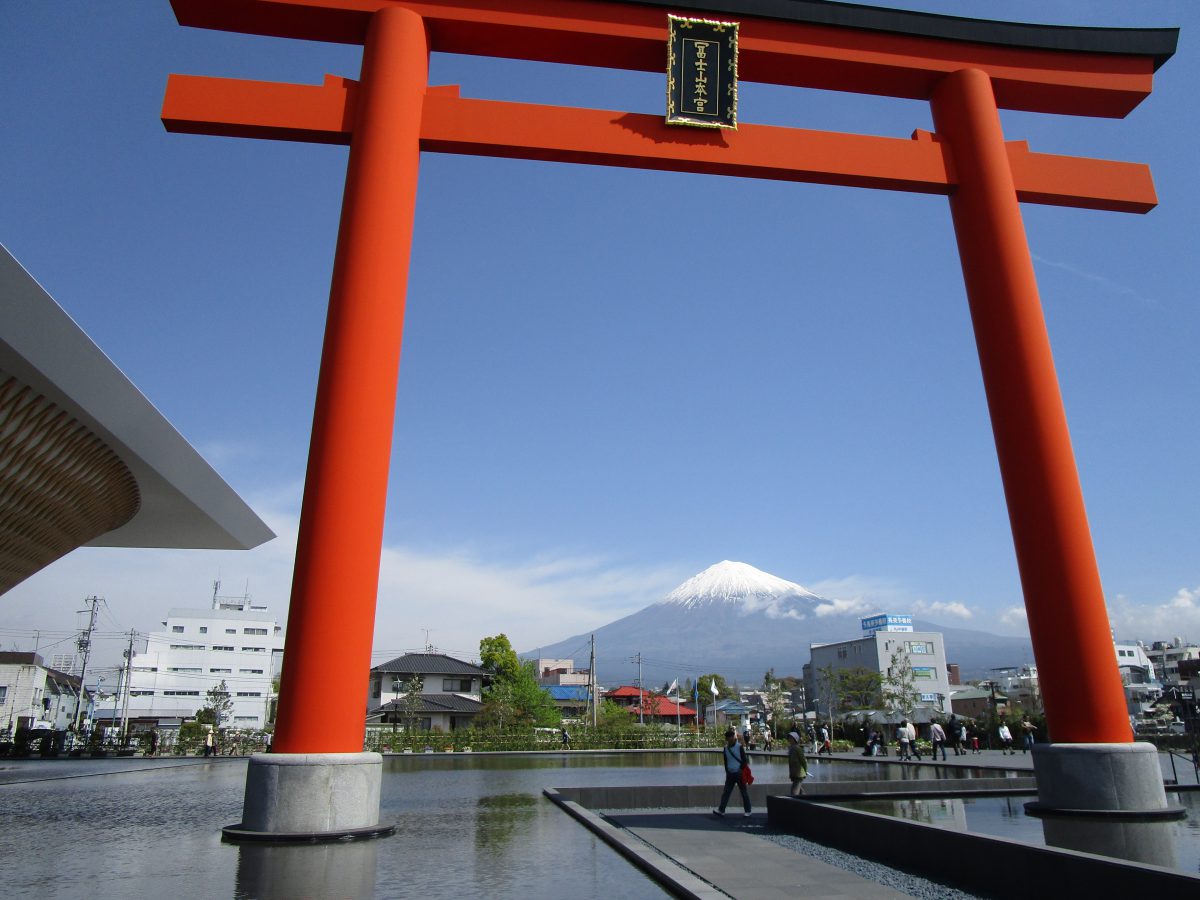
(428, 646)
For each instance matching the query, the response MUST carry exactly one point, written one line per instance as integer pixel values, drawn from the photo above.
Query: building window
(254, 631)
(459, 685)
(249, 693)
(3, 692)
(141, 693)
(177, 629)
(204, 629)
(145, 668)
(185, 670)
(231, 631)
(245, 718)
(187, 646)
(254, 649)
(250, 671)
(218, 647)
(923, 673)
(918, 646)
(220, 671)
(181, 693)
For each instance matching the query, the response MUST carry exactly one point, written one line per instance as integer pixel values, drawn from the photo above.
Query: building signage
(702, 72)
(872, 624)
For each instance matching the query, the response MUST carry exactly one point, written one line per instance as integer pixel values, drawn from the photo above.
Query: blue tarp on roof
(568, 691)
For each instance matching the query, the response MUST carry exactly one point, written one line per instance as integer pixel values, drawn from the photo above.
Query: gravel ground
(913, 885)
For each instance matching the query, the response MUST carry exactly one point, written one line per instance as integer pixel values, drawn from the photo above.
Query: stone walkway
(729, 854)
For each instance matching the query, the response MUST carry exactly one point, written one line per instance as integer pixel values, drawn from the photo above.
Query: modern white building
(886, 636)
(1142, 687)
(233, 642)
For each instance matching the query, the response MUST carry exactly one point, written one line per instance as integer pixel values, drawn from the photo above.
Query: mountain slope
(739, 621)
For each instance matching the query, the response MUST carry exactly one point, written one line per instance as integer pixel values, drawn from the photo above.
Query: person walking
(797, 763)
(566, 739)
(1028, 733)
(734, 757)
(210, 744)
(937, 736)
(952, 731)
(902, 734)
(826, 743)
(1005, 739)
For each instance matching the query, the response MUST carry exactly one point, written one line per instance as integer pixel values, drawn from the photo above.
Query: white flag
(712, 686)
(674, 686)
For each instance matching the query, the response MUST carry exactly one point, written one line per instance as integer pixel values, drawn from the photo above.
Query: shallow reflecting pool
(468, 824)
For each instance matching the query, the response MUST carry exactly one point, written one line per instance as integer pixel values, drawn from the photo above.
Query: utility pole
(128, 685)
(84, 645)
(594, 685)
(641, 692)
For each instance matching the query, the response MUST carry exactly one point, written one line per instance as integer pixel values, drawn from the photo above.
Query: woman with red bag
(734, 756)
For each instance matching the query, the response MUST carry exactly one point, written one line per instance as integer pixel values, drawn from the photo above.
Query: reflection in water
(499, 816)
(1143, 842)
(1172, 844)
(282, 871)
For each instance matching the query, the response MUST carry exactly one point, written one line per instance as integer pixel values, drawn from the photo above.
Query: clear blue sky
(582, 421)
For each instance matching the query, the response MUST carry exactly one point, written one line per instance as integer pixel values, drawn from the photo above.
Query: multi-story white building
(1166, 658)
(1142, 687)
(34, 695)
(887, 636)
(233, 642)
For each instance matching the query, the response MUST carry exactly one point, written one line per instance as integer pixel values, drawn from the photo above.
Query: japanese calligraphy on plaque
(702, 72)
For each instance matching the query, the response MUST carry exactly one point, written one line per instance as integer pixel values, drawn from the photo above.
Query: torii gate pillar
(1092, 764)
(318, 782)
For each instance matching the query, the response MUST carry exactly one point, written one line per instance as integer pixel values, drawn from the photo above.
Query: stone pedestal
(311, 797)
(1099, 778)
(1106, 799)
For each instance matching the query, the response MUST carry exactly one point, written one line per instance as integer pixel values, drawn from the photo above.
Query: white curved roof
(184, 502)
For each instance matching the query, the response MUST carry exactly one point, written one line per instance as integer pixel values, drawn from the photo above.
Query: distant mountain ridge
(740, 621)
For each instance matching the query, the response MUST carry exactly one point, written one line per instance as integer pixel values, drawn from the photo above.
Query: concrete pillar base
(310, 797)
(1099, 780)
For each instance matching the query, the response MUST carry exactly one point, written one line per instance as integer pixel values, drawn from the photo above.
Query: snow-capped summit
(740, 584)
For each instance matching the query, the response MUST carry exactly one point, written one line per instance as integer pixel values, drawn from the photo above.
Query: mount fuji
(739, 621)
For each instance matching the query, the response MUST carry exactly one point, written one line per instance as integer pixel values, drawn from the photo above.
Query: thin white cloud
(1110, 286)
(450, 597)
(1015, 617)
(955, 609)
(852, 606)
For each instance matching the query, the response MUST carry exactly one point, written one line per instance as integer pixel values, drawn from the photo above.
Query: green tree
(411, 702)
(705, 684)
(776, 704)
(218, 708)
(900, 694)
(514, 698)
(860, 687)
(497, 655)
(614, 715)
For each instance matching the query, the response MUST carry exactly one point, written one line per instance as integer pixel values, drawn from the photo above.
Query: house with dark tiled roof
(450, 691)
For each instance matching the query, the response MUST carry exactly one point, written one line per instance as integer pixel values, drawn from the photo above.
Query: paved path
(730, 854)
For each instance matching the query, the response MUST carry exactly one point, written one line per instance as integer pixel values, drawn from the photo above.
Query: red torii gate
(966, 69)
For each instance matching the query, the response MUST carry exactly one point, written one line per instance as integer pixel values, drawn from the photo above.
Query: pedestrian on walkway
(938, 736)
(954, 733)
(734, 758)
(797, 763)
(826, 743)
(974, 740)
(1028, 732)
(1005, 739)
(903, 735)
